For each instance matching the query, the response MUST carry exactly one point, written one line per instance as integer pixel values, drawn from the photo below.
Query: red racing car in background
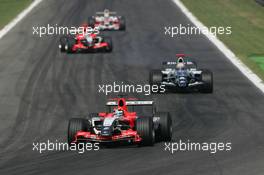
(107, 20)
(85, 42)
(120, 124)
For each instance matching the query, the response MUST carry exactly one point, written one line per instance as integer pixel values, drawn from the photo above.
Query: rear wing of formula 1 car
(171, 63)
(132, 103)
(102, 13)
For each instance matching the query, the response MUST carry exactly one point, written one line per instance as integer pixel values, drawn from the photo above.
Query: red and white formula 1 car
(120, 124)
(85, 42)
(107, 20)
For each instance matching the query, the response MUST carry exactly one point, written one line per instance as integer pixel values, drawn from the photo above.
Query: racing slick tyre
(164, 131)
(155, 77)
(145, 129)
(207, 79)
(70, 43)
(122, 23)
(91, 22)
(75, 125)
(63, 43)
(108, 48)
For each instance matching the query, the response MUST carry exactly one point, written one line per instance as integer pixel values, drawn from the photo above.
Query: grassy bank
(9, 9)
(245, 17)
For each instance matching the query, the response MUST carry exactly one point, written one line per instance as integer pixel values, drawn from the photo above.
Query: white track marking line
(223, 48)
(18, 18)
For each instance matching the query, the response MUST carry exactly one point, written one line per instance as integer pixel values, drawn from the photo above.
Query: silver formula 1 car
(107, 20)
(182, 74)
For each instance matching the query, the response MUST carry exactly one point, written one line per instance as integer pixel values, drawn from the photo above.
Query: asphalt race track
(40, 89)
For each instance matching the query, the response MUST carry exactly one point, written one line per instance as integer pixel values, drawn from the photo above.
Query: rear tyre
(91, 22)
(164, 132)
(145, 129)
(109, 46)
(122, 23)
(75, 125)
(207, 79)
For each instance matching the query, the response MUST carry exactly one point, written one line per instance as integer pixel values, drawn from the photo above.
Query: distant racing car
(182, 74)
(85, 42)
(120, 124)
(107, 20)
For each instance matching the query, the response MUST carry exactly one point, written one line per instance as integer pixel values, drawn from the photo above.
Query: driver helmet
(118, 112)
(106, 13)
(180, 63)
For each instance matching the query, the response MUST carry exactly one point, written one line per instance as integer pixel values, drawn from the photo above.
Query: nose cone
(182, 82)
(106, 131)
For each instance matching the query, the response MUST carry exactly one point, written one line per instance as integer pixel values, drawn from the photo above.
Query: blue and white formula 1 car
(182, 74)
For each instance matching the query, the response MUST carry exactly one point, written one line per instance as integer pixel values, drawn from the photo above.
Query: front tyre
(145, 129)
(155, 77)
(75, 125)
(70, 44)
(63, 43)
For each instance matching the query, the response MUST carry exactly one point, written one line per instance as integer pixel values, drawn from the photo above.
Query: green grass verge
(246, 18)
(9, 9)
(258, 59)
